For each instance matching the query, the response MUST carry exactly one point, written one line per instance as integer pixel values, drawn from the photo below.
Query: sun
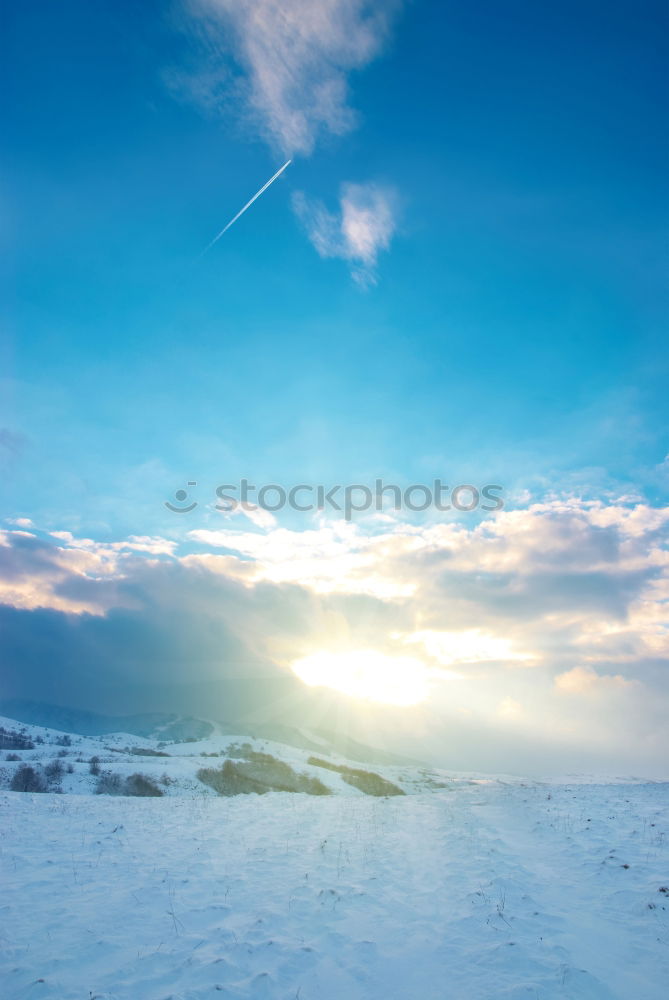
(367, 674)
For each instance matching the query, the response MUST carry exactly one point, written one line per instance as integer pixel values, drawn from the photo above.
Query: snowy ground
(463, 889)
(479, 891)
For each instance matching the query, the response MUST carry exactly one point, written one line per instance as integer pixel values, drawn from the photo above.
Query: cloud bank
(543, 632)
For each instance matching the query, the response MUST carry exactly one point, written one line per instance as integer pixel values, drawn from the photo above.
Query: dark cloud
(528, 596)
(167, 636)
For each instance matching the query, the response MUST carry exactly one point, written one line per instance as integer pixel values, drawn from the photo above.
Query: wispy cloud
(361, 228)
(282, 67)
(294, 56)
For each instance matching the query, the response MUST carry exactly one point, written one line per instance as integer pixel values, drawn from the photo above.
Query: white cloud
(333, 558)
(363, 226)
(148, 544)
(295, 56)
(469, 646)
(585, 680)
(290, 85)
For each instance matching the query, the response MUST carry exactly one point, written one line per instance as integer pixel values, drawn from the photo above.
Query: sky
(460, 276)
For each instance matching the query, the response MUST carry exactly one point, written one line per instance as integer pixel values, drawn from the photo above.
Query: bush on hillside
(229, 780)
(54, 772)
(10, 739)
(263, 773)
(365, 781)
(141, 784)
(110, 783)
(27, 779)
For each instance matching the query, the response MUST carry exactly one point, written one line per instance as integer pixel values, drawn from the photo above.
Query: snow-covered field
(480, 889)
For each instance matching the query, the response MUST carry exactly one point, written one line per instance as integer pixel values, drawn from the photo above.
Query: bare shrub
(142, 784)
(27, 779)
(229, 780)
(263, 773)
(372, 784)
(109, 783)
(239, 751)
(365, 781)
(11, 739)
(54, 772)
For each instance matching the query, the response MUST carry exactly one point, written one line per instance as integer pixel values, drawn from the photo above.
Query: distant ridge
(158, 725)
(328, 741)
(172, 727)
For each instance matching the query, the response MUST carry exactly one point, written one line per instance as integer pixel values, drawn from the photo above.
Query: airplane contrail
(247, 205)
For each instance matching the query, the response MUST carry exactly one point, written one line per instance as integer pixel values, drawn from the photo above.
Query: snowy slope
(120, 753)
(478, 890)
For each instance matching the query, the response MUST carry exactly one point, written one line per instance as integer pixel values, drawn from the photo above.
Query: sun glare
(367, 674)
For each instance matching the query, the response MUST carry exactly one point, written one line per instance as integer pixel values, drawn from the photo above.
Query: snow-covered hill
(63, 760)
(465, 888)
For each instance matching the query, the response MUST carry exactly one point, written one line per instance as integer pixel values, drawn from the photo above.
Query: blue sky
(517, 326)
(496, 312)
